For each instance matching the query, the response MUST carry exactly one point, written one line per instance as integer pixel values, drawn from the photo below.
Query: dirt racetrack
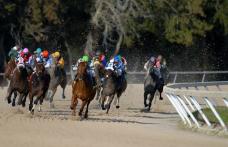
(127, 127)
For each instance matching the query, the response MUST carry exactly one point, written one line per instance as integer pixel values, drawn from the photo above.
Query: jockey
(150, 63)
(38, 53)
(27, 57)
(59, 62)
(124, 63)
(102, 59)
(59, 59)
(156, 64)
(13, 54)
(90, 70)
(47, 60)
(116, 65)
(85, 58)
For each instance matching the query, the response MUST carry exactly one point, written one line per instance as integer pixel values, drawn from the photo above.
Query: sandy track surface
(125, 127)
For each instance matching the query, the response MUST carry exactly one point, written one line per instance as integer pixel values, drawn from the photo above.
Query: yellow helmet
(57, 54)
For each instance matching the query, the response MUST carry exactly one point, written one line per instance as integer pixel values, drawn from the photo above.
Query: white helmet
(15, 48)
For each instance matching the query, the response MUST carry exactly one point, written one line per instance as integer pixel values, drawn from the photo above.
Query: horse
(8, 72)
(99, 71)
(57, 78)
(152, 83)
(38, 86)
(111, 86)
(18, 83)
(82, 89)
(9, 68)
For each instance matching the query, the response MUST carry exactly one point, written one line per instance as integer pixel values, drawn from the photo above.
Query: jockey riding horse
(156, 76)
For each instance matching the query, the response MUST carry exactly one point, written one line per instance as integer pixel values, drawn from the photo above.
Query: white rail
(187, 101)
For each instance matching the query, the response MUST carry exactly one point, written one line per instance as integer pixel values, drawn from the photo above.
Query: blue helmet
(116, 58)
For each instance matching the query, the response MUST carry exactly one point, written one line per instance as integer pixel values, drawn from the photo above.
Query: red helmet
(45, 54)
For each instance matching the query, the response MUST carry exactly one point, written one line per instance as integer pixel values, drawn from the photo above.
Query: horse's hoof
(31, 112)
(80, 113)
(23, 105)
(86, 116)
(117, 107)
(63, 97)
(147, 109)
(161, 98)
(146, 105)
(71, 108)
(9, 101)
(13, 104)
(107, 106)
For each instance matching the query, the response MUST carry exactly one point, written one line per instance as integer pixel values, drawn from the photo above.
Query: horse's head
(110, 74)
(40, 68)
(9, 67)
(82, 70)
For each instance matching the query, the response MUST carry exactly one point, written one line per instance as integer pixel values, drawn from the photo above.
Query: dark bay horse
(82, 89)
(18, 83)
(38, 86)
(8, 73)
(152, 83)
(57, 78)
(9, 68)
(99, 71)
(110, 88)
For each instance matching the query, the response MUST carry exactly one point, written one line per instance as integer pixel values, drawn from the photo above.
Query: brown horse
(82, 88)
(18, 83)
(38, 86)
(8, 72)
(11, 65)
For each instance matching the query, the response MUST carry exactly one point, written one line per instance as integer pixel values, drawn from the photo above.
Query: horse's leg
(102, 101)
(160, 92)
(63, 85)
(98, 93)
(37, 100)
(19, 102)
(14, 98)
(41, 102)
(82, 107)
(87, 109)
(74, 102)
(9, 94)
(31, 102)
(63, 94)
(109, 104)
(51, 98)
(151, 99)
(118, 100)
(145, 99)
(24, 99)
